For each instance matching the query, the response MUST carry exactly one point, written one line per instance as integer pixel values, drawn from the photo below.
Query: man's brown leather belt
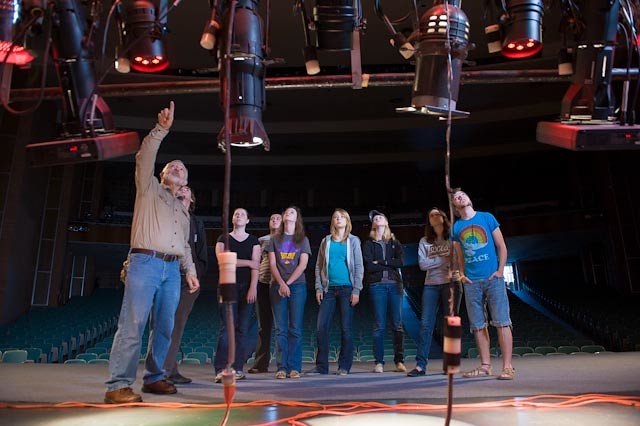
(158, 254)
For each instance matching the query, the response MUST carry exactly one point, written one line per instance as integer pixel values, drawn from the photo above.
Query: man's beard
(170, 179)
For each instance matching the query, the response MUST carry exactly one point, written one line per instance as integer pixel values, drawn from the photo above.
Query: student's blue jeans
(288, 313)
(340, 296)
(387, 297)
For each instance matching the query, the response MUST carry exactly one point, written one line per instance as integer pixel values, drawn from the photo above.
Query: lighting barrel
(335, 21)
(522, 27)
(144, 36)
(247, 85)
(430, 93)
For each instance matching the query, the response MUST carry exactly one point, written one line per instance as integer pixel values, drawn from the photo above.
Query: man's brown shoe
(121, 396)
(160, 387)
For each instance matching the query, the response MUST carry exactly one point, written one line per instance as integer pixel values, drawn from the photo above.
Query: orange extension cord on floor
(350, 408)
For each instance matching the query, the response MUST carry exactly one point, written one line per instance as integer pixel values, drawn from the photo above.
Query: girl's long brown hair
(299, 234)
(430, 233)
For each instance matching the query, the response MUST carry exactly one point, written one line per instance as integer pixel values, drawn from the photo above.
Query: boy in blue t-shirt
(482, 255)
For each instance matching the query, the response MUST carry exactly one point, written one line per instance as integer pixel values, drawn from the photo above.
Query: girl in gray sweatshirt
(434, 257)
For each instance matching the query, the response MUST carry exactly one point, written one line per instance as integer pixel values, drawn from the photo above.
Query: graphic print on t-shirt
(288, 252)
(438, 250)
(473, 238)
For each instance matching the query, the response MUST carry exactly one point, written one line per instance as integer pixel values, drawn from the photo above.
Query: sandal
(508, 373)
(281, 374)
(483, 371)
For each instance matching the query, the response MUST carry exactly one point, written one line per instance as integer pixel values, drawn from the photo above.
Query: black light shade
(144, 35)
(522, 28)
(430, 93)
(247, 87)
(335, 21)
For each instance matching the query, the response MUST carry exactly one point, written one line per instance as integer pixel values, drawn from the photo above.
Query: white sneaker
(379, 368)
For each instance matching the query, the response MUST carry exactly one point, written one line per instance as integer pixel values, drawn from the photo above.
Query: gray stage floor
(605, 373)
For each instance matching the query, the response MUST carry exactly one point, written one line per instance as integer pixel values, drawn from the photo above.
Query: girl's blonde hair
(386, 235)
(347, 230)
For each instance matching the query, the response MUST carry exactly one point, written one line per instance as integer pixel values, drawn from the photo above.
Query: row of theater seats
(57, 334)
(94, 322)
(611, 320)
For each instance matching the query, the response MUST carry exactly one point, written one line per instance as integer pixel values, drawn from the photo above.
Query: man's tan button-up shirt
(160, 220)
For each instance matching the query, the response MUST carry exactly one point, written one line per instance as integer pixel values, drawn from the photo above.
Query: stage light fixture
(13, 15)
(430, 95)
(87, 129)
(143, 34)
(522, 28)
(247, 70)
(590, 96)
(334, 22)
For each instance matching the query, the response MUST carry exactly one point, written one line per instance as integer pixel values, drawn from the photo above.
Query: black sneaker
(415, 373)
(314, 372)
(178, 379)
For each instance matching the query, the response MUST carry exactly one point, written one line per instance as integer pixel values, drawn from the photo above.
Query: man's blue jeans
(288, 313)
(387, 296)
(341, 296)
(152, 287)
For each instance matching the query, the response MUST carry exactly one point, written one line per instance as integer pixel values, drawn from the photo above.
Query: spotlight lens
(511, 45)
(159, 58)
(145, 62)
(138, 59)
(520, 47)
(155, 61)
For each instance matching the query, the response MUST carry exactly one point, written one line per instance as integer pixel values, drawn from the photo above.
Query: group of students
(271, 273)
(166, 238)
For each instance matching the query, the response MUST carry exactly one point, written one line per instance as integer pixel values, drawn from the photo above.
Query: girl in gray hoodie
(434, 257)
(339, 272)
